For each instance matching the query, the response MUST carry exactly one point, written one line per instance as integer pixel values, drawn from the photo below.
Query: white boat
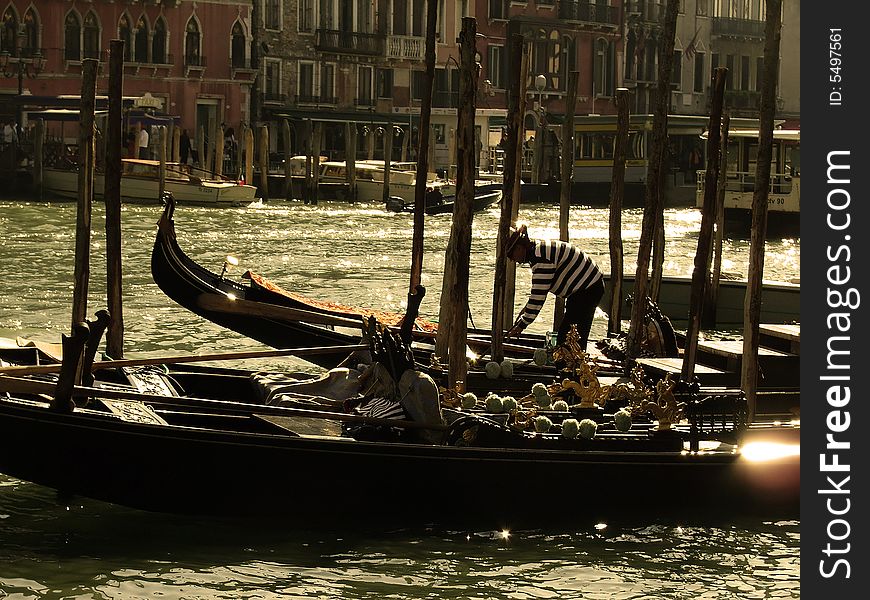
(370, 180)
(784, 196)
(140, 184)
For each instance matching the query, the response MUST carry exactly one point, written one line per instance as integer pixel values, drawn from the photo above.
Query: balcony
(193, 63)
(742, 99)
(645, 11)
(406, 47)
(589, 12)
(349, 42)
(738, 28)
(274, 98)
(321, 99)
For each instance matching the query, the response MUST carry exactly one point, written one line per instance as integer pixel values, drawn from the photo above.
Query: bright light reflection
(231, 296)
(504, 534)
(600, 526)
(765, 451)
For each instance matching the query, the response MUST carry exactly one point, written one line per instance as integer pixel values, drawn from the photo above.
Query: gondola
(245, 459)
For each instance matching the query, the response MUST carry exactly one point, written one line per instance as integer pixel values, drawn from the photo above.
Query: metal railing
(588, 12)
(738, 27)
(315, 99)
(353, 42)
(194, 60)
(406, 47)
(650, 11)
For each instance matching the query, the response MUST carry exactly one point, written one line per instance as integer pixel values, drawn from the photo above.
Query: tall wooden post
(309, 158)
(264, 162)
(567, 168)
(388, 160)
(249, 156)
(38, 158)
(200, 149)
(654, 206)
(176, 144)
(350, 160)
(752, 303)
(218, 150)
(82, 270)
(617, 189)
(288, 175)
(316, 148)
(510, 173)
(712, 300)
(425, 148)
(112, 198)
(454, 292)
(701, 273)
(161, 157)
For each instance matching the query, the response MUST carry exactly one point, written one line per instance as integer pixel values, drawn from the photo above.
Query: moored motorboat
(140, 183)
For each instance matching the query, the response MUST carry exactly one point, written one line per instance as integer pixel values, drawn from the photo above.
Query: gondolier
(563, 270)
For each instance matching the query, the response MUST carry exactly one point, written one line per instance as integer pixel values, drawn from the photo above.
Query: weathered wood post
(701, 273)
(617, 189)
(350, 160)
(425, 150)
(566, 176)
(752, 304)
(249, 156)
(388, 160)
(264, 162)
(288, 172)
(176, 144)
(454, 292)
(161, 157)
(309, 158)
(653, 210)
(218, 150)
(711, 302)
(112, 198)
(508, 199)
(315, 161)
(38, 156)
(82, 270)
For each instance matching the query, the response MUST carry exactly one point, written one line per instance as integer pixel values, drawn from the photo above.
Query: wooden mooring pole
(350, 160)
(617, 191)
(510, 173)
(264, 162)
(82, 269)
(288, 175)
(653, 208)
(752, 304)
(249, 156)
(452, 333)
(388, 160)
(219, 150)
(112, 198)
(566, 177)
(711, 302)
(316, 142)
(161, 158)
(701, 272)
(38, 158)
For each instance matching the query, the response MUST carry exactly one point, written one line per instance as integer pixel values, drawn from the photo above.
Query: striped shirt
(558, 268)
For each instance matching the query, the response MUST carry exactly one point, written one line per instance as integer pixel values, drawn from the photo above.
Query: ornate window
(91, 36)
(31, 32)
(158, 43)
(191, 43)
(72, 37)
(273, 14)
(9, 32)
(306, 15)
(237, 45)
(140, 44)
(124, 35)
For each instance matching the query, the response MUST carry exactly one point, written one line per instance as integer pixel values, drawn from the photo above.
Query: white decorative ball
(507, 369)
(539, 390)
(544, 401)
(588, 427)
(560, 405)
(540, 357)
(494, 404)
(570, 428)
(542, 424)
(468, 400)
(493, 370)
(622, 420)
(509, 403)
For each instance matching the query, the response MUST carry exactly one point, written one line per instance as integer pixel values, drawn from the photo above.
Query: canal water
(360, 255)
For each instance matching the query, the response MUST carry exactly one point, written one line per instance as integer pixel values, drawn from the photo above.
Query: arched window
(124, 35)
(140, 45)
(238, 45)
(72, 37)
(9, 32)
(31, 32)
(191, 43)
(91, 36)
(158, 43)
(604, 68)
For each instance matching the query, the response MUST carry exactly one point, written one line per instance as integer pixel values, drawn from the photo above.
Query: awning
(327, 116)
(60, 114)
(134, 116)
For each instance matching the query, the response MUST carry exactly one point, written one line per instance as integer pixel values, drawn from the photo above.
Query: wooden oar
(225, 304)
(31, 386)
(161, 360)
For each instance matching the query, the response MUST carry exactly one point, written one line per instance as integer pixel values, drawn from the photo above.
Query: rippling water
(359, 255)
